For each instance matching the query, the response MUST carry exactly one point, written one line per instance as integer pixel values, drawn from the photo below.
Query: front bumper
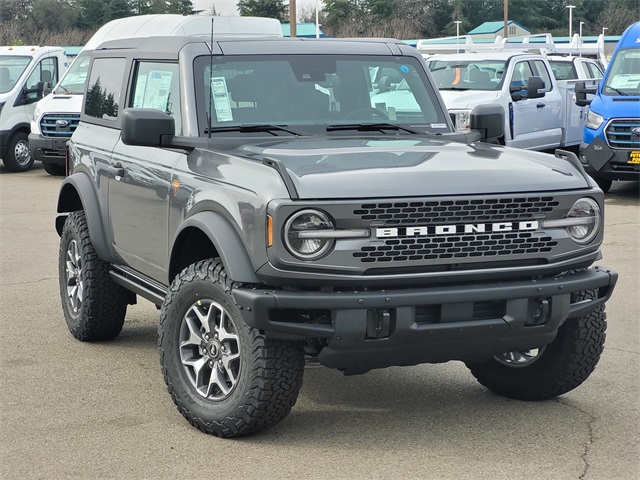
(601, 161)
(48, 150)
(376, 329)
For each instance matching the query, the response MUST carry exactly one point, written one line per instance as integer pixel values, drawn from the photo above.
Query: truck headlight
(462, 121)
(582, 222)
(300, 234)
(593, 120)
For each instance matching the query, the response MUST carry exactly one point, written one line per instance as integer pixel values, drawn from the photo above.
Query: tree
(264, 8)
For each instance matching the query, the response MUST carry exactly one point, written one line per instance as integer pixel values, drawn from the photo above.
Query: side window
(520, 79)
(593, 70)
(156, 85)
(564, 70)
(103, 89)
(45, 73)
(543, 73)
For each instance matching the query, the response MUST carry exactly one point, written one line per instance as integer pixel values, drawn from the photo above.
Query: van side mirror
(489, 121)
(146, 127)
(581, 93)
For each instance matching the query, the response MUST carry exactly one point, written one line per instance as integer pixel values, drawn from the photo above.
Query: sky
(228, 7)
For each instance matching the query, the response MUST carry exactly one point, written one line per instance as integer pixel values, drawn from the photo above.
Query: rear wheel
(226, 378)
(94, 306)
(19, 157)
(552, 370)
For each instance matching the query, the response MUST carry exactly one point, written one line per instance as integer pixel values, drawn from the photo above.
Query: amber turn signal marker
(269, 231)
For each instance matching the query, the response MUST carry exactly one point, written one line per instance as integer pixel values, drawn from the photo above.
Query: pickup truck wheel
(19, 157)
(94, 306)
(225, 378)
(552, 370)
(54, 169)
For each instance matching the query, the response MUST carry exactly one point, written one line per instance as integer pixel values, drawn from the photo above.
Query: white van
(57, 115)
(26, 73)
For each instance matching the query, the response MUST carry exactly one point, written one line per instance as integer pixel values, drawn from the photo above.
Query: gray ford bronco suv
(290, 199)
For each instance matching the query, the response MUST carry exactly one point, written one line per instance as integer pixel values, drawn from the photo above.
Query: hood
(458, 99)
(335, 168)
(610, 106)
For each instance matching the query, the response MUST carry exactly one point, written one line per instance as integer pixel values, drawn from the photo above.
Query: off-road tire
(18, 157)
(270, 371)
(100, 305)
(54, 169)
(563, 365)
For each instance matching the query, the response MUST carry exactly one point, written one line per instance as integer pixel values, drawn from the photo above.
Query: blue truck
(610, 149)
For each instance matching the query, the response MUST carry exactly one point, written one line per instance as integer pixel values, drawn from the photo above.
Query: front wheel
(552, 370)
(55, 169)
(19, 157)
(225, 378)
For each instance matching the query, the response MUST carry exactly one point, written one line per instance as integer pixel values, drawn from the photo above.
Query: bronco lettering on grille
(391, 232)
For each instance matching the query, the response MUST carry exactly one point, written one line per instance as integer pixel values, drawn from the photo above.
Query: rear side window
(157, 86)
(103, 91)
(544, 74)
(594, 71)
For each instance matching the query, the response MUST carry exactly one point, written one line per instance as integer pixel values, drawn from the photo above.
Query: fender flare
(81, 184)
(227, 243)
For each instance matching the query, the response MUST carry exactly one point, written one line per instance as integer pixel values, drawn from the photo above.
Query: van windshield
(315, 92)
(76, 76)
(11, 68)
(467, 74)
(623, 77)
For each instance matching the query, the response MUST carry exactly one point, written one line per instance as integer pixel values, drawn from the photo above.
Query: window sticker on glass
(221, 99)
(153, 91)
(438, 125)
(625, 80)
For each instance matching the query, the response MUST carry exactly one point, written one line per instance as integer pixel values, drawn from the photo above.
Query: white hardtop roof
(179, 25)
(26, 51)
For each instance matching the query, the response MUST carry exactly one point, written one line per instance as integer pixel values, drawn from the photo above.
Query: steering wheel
(371, 110)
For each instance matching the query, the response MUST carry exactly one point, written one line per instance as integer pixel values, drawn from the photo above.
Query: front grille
(463, 247)
(456, 211)
(619, 134)
(59, 125)
(456, 247)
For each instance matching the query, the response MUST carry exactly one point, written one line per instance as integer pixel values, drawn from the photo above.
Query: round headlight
(299, 234)
(586, 212)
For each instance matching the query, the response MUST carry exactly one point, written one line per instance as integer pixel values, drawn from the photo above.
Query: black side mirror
(146, 127)
(581, 94)
(489, 121)
(536, 88)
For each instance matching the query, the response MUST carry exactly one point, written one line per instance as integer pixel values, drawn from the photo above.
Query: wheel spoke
(223, 333)
(198, 365)
(218, 379)
(202, 317)
(195, 336)
(226, 363)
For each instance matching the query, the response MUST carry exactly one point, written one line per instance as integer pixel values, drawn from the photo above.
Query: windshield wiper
(454, 88)
(619, 92)
(65, 90)
(254, 128)
(368, 127)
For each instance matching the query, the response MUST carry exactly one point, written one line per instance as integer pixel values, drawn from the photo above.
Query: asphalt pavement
(101, 410)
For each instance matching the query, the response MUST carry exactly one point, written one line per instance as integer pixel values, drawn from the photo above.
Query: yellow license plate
(634, 158)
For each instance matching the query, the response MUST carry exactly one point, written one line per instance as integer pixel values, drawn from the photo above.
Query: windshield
(313, 92)
(73, 81)
(623, 77)
(467, 74)
(11, 67)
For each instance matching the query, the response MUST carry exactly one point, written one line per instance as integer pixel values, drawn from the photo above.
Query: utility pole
(505, 4)
(292, 18)
(570, 7)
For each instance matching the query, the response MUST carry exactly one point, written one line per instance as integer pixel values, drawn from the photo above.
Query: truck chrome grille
(59, 125)
(456, 211)
(619, 134)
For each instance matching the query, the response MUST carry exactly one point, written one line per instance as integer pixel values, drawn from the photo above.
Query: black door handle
(540, 105)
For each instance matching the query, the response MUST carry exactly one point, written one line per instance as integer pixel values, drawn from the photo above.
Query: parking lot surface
(101, 410)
